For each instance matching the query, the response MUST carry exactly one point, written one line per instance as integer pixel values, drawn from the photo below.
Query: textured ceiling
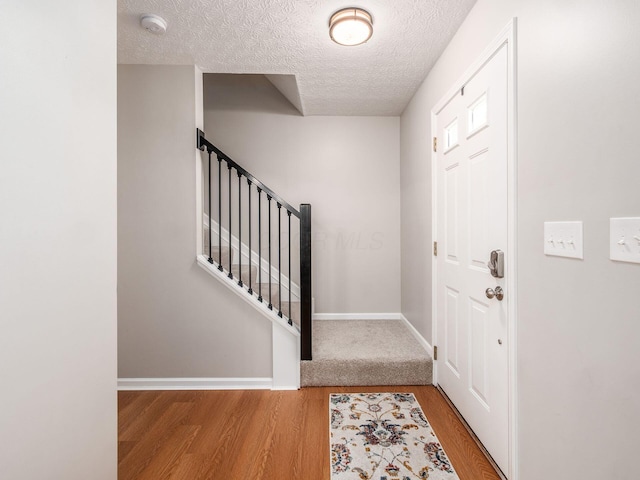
(290, 37)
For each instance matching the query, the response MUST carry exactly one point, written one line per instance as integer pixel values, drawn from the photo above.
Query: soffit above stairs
(290, 37)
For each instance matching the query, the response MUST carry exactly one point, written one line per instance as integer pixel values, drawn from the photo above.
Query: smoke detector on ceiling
(153, 23)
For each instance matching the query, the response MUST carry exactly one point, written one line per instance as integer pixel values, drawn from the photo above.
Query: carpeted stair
(258, 288)
(365, 352)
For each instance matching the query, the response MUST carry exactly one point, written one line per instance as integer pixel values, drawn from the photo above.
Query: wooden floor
(257, 434)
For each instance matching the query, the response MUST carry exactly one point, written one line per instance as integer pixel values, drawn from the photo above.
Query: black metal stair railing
(252, 220)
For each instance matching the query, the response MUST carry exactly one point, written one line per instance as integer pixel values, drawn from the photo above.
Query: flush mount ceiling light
(153, 23)
(350, 26)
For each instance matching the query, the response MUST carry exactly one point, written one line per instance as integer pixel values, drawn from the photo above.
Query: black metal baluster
(239, 230)
(219, 213)
(269, 274)
(290, 306)
(230, 248)
(210, 216)
(249, 194)
(259, 244)
(279, 261)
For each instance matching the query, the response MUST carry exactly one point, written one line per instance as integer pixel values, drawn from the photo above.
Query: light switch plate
(624, 239)
(563, 239)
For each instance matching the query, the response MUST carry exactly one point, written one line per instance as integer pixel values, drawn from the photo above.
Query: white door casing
(474, 213)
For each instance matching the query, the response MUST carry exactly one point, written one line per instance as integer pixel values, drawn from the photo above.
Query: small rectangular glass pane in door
(478, 113)
(451, 135)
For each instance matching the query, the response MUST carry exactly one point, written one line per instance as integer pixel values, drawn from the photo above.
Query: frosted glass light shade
(350, 26)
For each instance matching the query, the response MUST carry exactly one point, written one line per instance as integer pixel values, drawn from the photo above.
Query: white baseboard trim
(195, 383)
(357, 316)
(417, 335)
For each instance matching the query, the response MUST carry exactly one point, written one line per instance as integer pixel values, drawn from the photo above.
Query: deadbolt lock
(496, 263)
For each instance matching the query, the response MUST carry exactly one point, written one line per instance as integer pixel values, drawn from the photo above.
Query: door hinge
(435, 353)
(435, 249)
(435, 144)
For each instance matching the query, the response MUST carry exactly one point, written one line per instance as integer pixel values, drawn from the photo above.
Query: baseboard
(357, 316)
(417, 335)
(195, 383)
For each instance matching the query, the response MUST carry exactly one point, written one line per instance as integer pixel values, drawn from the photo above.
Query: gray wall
(174, 320)
(578, 321)
(58, 411)
(346, 167)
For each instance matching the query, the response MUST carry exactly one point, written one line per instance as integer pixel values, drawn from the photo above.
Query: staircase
(250, 250)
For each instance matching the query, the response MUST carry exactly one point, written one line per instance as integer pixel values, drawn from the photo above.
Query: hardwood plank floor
(258, 434)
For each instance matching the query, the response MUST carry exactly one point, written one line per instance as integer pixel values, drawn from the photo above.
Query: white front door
(471, 221)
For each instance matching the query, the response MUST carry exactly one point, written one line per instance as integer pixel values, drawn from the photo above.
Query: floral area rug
(384, 436)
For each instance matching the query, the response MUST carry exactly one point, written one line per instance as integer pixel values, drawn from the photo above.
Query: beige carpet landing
(365, 352)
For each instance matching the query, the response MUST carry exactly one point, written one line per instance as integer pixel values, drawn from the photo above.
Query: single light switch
(563, 239)
(624, 243)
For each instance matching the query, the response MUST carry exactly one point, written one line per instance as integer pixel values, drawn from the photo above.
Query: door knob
(498, 293)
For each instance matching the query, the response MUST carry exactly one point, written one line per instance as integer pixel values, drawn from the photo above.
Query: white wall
(578, 321)
(174, 320)
(347, 168)
(58, 412)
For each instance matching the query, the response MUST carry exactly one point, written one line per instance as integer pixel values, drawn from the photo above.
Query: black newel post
(230, 275)
(279, 260)
(249, 195)
(210, 214)
(269, 274)
(289, 249)
(219, 213)
(305, 281)
(259, 244)
(240, 284)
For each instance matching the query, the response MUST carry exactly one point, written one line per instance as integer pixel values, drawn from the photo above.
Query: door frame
(506, 36)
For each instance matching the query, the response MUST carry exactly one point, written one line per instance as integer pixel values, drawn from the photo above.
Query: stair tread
(263, 289)
(342, 355)
(216, 253)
